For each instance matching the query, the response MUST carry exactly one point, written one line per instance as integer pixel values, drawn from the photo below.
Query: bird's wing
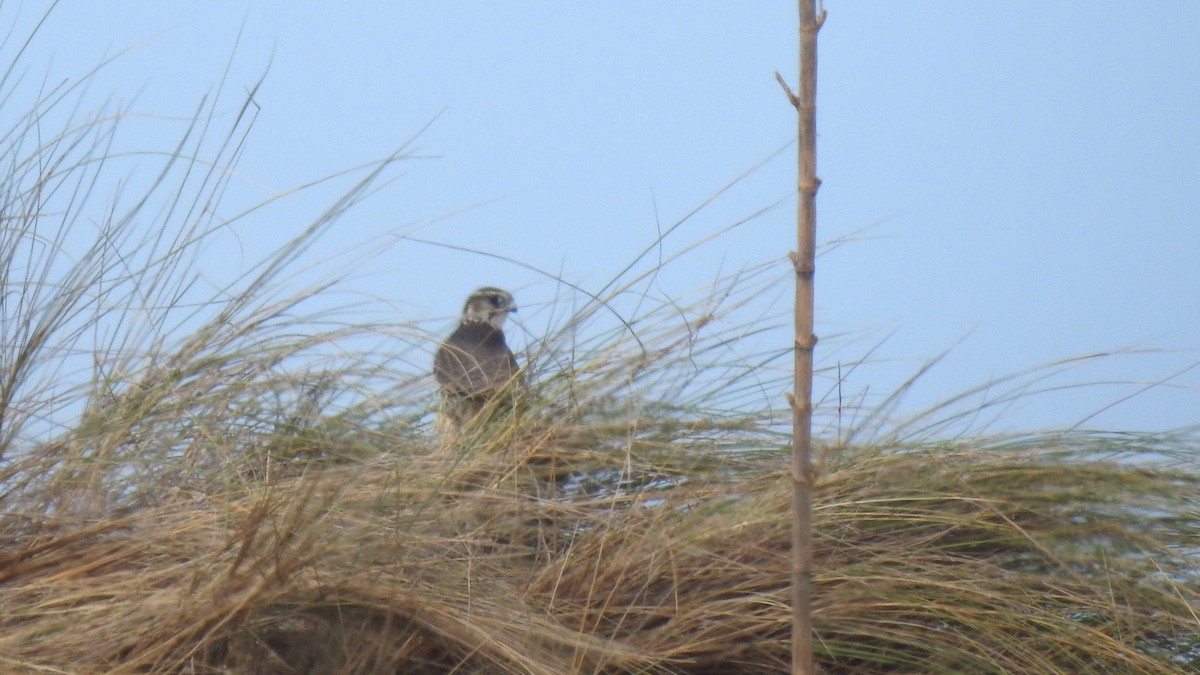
(474, 360)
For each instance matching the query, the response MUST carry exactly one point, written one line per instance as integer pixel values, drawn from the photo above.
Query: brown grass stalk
(804, 265)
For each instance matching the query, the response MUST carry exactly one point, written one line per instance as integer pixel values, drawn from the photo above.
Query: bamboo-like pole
(803, 261)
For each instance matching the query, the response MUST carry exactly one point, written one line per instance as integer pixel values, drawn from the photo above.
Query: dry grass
(1040, 556)
(223, 481)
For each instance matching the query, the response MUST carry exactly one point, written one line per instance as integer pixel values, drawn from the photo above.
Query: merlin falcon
(474, 364)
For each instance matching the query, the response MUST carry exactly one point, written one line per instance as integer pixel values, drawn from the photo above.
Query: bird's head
(489, 304)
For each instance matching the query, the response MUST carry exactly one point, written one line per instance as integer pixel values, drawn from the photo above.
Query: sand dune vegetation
(599, 547)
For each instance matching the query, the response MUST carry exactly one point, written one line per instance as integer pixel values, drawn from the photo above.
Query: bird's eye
(499, 300)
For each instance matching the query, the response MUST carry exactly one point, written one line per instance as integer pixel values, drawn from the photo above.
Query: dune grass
(1038, 554)
(225, 481)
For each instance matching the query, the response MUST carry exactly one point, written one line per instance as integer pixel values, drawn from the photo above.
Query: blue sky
(1021, 180)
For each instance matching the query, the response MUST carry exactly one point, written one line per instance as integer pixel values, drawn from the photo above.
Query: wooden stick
(803, 262)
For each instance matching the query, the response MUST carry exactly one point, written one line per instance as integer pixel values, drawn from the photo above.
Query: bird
(475, 365)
